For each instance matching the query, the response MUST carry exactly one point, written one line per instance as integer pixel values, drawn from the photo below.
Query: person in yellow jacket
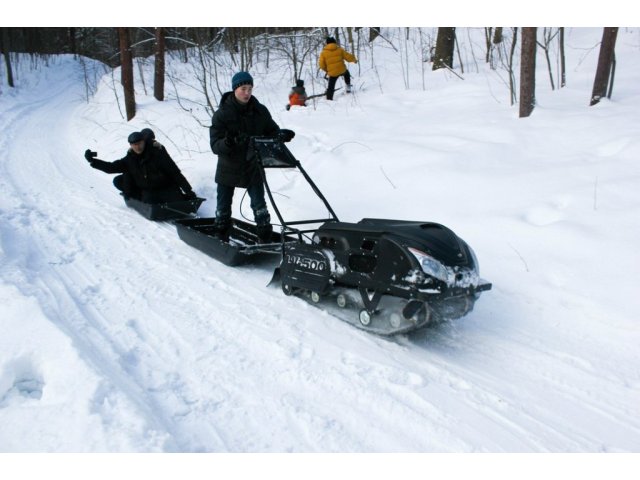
(332, 60)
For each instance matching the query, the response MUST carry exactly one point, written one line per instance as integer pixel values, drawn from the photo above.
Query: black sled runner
(383, 276)
(165, 210)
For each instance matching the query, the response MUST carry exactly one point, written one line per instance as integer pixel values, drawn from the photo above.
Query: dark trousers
(128, 187)
(332, 83)
(258, 204)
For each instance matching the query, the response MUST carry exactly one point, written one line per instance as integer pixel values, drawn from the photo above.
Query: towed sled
(243, 245)
(383, 276)
(166, 210)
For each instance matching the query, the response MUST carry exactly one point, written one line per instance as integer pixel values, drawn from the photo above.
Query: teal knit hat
(241, 78)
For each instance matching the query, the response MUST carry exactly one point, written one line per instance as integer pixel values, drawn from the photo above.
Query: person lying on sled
(147, 171)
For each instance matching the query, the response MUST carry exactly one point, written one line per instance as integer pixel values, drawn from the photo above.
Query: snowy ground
(118, 337)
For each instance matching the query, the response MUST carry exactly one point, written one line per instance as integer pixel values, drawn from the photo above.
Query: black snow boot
(265, 233)
(222, 229)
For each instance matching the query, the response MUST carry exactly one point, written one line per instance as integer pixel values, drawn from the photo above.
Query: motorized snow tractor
(384, 276)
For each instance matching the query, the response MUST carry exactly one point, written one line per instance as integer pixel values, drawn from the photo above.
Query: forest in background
(238, 48)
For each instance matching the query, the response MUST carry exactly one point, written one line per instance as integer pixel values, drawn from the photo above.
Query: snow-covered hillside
(116, 336)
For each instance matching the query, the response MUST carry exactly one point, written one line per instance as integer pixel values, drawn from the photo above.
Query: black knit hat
(330, 40)
(299, 83)
(148, 134)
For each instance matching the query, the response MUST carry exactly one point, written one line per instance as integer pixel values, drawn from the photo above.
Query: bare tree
(493, 38)
(158, 79)
(497, 36)
(373, 33)
(4, 46)
(72, 40)
(350, 38)
(200, 98)
(528, 71)
(126, 60)
(563, 68)
(605, 64)
(297, 47)
(547, 36)
(512, 78)
(445, 44)
(487, 38)
(241, 43)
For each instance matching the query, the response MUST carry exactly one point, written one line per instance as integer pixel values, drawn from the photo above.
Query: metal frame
(287, 160)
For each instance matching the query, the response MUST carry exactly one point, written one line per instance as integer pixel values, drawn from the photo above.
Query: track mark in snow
(549, 213)
(295, 349)
(20, 380)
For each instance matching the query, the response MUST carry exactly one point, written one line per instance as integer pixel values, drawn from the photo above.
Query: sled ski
(166, 210)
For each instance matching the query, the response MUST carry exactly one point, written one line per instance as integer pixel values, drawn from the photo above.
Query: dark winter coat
(153, 169)
(332, 60)
(236, 164)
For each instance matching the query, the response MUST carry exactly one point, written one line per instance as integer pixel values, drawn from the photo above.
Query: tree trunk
(158, 79)
(528, 72)
(126, 60)
(512, 79)
(605, 62)
(4, 46)
(487, 38)
(497, 36)
(373, 33)
(445, 43)
(72, 40)
(613, 75)
(563, 68)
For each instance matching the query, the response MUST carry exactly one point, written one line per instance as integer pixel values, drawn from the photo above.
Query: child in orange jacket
(298, 95)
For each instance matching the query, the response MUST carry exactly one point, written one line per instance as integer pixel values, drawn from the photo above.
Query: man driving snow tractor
(240, 117)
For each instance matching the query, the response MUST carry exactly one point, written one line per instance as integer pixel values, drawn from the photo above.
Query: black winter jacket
(154, 169)
(236, 165)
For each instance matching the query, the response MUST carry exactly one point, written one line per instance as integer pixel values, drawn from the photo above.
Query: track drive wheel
(341, 300)
(287, 289)
(364, 317)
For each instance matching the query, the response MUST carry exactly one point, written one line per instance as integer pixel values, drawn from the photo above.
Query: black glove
(90, 156)
(190, 195)
(242, 139)
(286, 135)
(233, 140)
(230, 140)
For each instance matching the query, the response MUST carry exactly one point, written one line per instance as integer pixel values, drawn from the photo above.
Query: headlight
(430, 265)
(476, 265)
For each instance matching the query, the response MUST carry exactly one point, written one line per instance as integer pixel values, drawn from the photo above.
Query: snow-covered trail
(176, 352)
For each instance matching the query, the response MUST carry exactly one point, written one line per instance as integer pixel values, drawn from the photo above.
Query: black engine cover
(307, 267)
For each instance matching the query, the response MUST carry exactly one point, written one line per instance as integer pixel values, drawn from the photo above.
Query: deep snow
(118, 337)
